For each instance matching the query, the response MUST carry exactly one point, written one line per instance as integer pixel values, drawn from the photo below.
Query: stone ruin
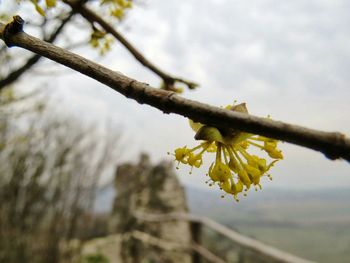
(149, 189)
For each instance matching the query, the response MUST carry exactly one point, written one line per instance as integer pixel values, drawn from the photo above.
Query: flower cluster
(48, 4)
(234, 170)
(100, 40)
(117, 7)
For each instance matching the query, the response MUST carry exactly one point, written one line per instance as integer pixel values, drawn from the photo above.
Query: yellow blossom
(234, 169)
(117, 7)
(195, 160)
(230, 187)
(220, 172)
(181, 154)
(100, 40)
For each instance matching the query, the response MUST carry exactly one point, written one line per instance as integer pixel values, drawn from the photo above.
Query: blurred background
(64, 136)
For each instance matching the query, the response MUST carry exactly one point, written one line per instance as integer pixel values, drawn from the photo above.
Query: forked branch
(92, 17)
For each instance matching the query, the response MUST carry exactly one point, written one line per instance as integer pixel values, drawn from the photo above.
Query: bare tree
(49, 172)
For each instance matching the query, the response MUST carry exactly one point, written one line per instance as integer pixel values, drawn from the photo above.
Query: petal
(195, 125)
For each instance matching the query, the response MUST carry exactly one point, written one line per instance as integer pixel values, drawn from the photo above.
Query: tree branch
(333, 144)
(13, 76)
(92, 17)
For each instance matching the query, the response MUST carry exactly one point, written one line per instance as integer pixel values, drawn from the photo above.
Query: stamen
(255, 144)
(240, 160)
(245, 154)
(258, 138)
(230, 151)
(205, 146)
(271, 164)
(218, 152)
(197, 147)
(225, 155)
(177, 166)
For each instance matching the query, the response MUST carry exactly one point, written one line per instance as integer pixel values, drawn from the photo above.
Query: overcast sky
(290, 59)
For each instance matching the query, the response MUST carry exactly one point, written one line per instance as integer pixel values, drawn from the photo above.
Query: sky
(289, 59)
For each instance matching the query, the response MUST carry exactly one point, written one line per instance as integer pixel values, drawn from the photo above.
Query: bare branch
(333, 144)
(89, 15)
(13, 76)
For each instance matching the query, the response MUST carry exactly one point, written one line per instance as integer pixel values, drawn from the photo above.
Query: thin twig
(333, 144)
(14, 75)
(92, 17)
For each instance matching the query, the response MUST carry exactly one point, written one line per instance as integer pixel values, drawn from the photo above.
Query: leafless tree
(49, 172)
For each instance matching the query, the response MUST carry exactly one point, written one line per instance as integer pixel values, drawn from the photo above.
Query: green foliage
(100, 40)
(94, 258)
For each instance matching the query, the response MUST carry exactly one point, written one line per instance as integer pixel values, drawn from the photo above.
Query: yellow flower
(117, 7)
(100, 40)
(181, 155)
(234, 169)
(50, 3)
(230, 187)
(220, 172)
(40, 9)
(195, 160)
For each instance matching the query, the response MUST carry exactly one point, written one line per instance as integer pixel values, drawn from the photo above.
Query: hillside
(312, 224)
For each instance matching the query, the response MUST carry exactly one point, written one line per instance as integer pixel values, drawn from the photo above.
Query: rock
(150, 189)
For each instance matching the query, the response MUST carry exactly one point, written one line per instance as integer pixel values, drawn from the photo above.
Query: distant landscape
(311, 224)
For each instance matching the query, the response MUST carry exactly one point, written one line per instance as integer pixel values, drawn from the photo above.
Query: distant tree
(49, 171)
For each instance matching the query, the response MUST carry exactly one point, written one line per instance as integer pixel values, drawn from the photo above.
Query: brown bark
(333, 144)
(16, 74)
